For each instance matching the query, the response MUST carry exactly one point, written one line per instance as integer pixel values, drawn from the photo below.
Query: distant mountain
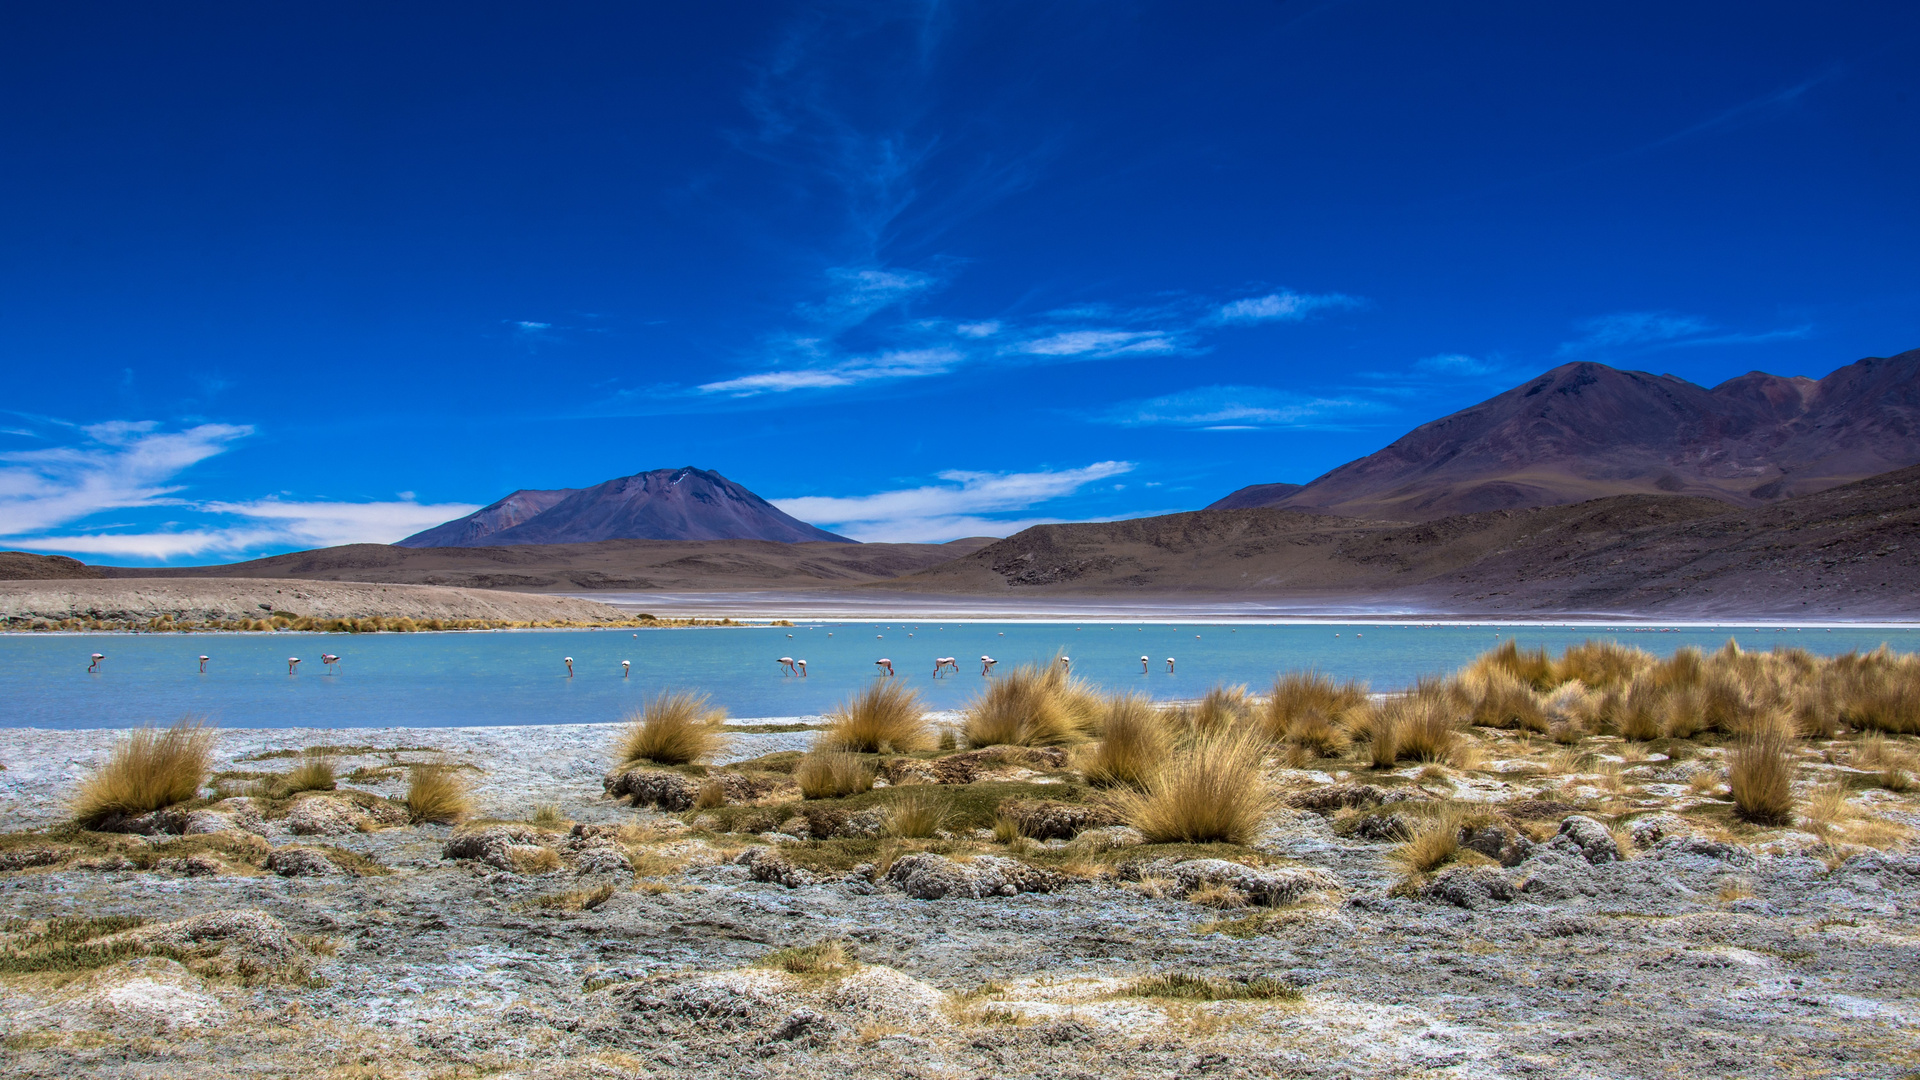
(664, 504)
(472, 531)
(1585, 431)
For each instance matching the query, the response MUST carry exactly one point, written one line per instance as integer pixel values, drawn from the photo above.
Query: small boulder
(21, 858)
(494, 845)
(318, 815)
(1649, 829)
(671, 791)
(1263, 886)
(1701, 847)
(1502, 843)
(926, 876)
(864, 823)
(1586, 838)
(167, 822)
(602, 859)
(1325, 800)
(1108, 838)
(204, 822)
(301, 862)
(1470, 887)
(769, 865)
(1046, 819)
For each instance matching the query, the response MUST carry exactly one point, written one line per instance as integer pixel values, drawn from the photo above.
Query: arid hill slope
(608, 566)
(1584, 431)
(1852, 551)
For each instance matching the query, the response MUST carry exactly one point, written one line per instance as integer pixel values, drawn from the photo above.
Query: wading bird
(327, 660)
(569, 667)
(291, 662)
(97, 657)
(941, 663)
(1169, 665)
(1066, 663)
(626, 668)
(203, 663)
(786, 666)
(986, 665)
(1143, 665)
(885, 665)
(802, 665)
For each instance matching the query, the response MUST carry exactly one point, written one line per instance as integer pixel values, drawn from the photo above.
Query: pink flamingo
(626, 668)
(291, 661)
(569, 667)
(802, 666)
(942, 663)
(986, 665)
(885, 664)
(1143, 665)
(1169, 665)
(203, 663)
(327, 660)
(97, 657)
(786, 666)
(1066, 663)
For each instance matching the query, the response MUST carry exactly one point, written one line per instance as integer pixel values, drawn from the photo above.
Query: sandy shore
(225, 599)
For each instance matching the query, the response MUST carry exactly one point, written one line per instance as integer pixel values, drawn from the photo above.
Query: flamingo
(786, 666)
(802, 665)
(569, 667)
(203, 663)
(1169, 665)
(885, 664)
(97, 657)
(291, 661)
(1066, 663)
(626, 668)
(940, 664)
(986, 665)
(328, 660)
(1143, 665)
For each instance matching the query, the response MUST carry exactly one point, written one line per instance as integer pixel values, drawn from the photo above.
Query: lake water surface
(517, 677)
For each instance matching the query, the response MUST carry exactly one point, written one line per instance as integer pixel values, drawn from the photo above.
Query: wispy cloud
(964, 505)
(48, 495)
(117, 465)
(1240, 408)
(1283, 306)
(1455, 364)
(1628, 331)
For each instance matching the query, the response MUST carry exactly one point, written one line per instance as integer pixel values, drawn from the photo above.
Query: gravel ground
(1696, 957)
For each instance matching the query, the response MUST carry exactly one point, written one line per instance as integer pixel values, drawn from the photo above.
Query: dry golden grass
(1211, 790)
(437, 792)
(575, 899)
(1311, 712)
(312, 774)
(827, 959)
(1221, 708)
(148, 770)
(542, 860)
(1601, 664)
(1416, 726)
(832, 774)
(675, 728)
(1760, 773)
(547, 816)
(1225, 897)
(711, 794)
(1133, 744)
(1435, 844)
(1501, 699)
(1179, 986)
(1022, 708)
(1530, 666)
(916, 815)
(884, 718)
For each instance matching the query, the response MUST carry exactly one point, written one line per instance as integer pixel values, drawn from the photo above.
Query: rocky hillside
(1585, 430)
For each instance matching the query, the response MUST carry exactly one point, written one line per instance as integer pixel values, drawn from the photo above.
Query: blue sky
(279, 276)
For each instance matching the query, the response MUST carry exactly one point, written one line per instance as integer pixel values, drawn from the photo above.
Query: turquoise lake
(517, 677)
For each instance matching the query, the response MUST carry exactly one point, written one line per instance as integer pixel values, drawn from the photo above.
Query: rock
(1266, 886)
(1325, 800)
(603, 857)
(671, 791)
(802, 1024)
(254, 934)
(1649, 829)
(495, 845)
(1502, 843)
(203, 822)
(168, 822)
(926, 876)
(1586, 838)
(1381, 828)
(21, 858)
(972, 765)
(1109, 838)
(1045, 819)
(768, 864)
(1470, 887)
(1537, 809)
(1700, 847)
(199, 864)
(797, 826)
(318, 815)
(301, 862)
(865, 823)
(1555, 873)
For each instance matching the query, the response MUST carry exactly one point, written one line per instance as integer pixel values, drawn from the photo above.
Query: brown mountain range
(663, 504)
(1585, 430)
(1851, 551)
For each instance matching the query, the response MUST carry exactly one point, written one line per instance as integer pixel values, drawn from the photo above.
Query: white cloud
(120, 465)
(978, 329)
(1630, 328)
(899, 364)
(1099, 343)
(1453, 364)
(1236, 408)
(859, 292)
(938, 512)
(1283, 306)
(268, 523)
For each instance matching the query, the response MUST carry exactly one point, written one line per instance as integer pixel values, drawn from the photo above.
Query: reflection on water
(518, 677)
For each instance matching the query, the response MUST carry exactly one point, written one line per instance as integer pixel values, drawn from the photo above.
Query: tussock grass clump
(70, 944)
(886, 717)
(1026, 707)
(916, 815)
(1601, 664)
(832, 774)
(1501, 699)
(313, 774)
(437, 792)
(826, 959)
(149, 770)
(1529, 666)
(1221, 708)
(1134, 742)
(1309, 710)
(547, 816)
(1432, 845)
(675, 728)
(1181, 986)
(1210, 791)
(575, 899)
(1416, 726)
(1760, 773)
